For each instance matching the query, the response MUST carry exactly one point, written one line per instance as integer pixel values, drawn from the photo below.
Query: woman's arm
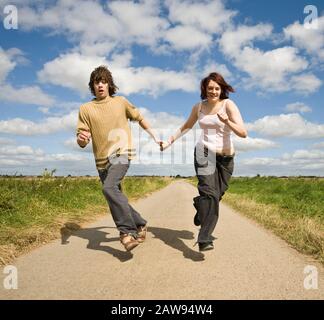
(184, 128)
(232, 117)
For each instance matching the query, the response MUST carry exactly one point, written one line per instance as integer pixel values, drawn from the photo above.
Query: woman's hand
(222, 116)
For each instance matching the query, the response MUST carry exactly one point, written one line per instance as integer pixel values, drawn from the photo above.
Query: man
(105, 121)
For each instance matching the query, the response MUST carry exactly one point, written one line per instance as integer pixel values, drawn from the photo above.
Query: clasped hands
(164, 144)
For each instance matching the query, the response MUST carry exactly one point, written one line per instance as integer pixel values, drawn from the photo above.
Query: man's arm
(83, 128)
(145, 125)
(134, 115)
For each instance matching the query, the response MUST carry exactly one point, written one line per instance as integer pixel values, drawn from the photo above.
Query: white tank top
(215, 135)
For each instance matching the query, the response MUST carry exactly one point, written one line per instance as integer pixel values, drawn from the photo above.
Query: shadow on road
(173, 238)
(95, 237)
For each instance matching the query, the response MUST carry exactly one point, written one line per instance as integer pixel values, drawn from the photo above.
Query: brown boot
(128, 241)
(141, 233)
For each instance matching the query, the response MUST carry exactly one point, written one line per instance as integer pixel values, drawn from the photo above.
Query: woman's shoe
(128, 241)
(141, 233)
(206, 246)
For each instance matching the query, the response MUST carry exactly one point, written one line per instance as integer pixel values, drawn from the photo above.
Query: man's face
(101, 89)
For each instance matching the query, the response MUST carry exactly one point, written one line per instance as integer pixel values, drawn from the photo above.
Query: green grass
(32, 210)
(297, 197)
(293, 208)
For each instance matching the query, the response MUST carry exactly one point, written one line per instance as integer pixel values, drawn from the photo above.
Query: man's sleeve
(83, 121)
(132, 112)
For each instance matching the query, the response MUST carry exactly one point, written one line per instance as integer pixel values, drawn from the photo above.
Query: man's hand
(157, 141)
(83, 138)
(164, 145)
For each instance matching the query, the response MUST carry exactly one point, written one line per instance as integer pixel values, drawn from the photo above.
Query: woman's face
(213, 91)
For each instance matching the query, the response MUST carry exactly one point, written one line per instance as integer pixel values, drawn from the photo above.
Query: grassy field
(293, 208)
(33, 210)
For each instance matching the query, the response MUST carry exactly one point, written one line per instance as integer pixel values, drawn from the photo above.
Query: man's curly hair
(102, 73)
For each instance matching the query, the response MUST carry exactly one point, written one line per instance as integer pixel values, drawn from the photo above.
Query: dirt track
(248, 262)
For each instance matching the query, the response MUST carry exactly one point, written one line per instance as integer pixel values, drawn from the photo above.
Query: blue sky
(158, 51)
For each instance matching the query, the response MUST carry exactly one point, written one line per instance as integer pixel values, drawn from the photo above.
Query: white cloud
(318, 145)
(233, 40)
(48, 125)
(250, 144)
(140, 22)
(194, 23)
(5, 141)
(121, 23)
(26, 95)
(273, 64)
(45, 110)
(139, 80)
(297, 107)
(61, 108)
(299, 162)
(306, 155)
(5, 66)
(270, 70)
(164, 125)
(23, 159)
(7, 63)
(305, 83)
(200, 15)
(162, 120)
(262, 161)
(69, 16)
(70, 70)
(19, 150)
(9, 162)
(188, 38)
(73, 71)
(287, 125)
(72, 157)
(72, 145)
(211, 66)
(189, 26)
(276, 70)
(309, 39)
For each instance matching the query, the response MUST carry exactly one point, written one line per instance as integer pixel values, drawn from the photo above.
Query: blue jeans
(126, 218)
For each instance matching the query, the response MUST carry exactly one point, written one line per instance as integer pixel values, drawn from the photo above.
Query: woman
(217, 116)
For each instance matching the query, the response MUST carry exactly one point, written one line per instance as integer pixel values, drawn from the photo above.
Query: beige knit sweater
(107, 121)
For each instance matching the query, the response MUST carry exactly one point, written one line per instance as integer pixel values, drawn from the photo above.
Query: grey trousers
(126, 218)
(213, 172)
